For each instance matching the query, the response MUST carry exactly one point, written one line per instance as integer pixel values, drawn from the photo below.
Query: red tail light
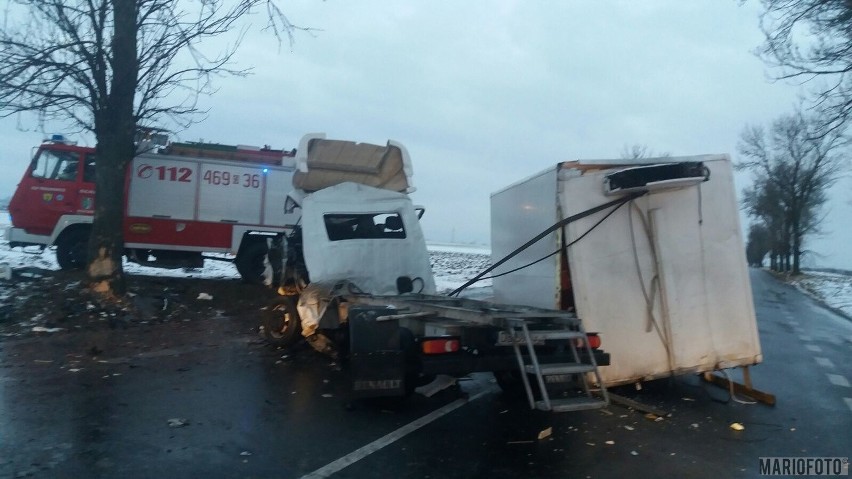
(594, 341)
(442, 345)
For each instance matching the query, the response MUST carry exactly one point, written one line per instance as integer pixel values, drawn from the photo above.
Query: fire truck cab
(180, 201)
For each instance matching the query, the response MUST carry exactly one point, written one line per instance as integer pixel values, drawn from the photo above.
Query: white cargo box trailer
(663, 278)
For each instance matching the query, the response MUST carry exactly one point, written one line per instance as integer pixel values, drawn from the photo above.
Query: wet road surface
(98, 405)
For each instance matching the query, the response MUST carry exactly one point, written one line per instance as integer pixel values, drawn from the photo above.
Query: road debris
(245, 453)
(638, 406)
(441, 382)
(42, 329)
(5, 271)
(177, 422)
(629, 428)
(545, 433)
(204, 296)
(327, 395)
(634, 453)
(610, 443)
(737, 426)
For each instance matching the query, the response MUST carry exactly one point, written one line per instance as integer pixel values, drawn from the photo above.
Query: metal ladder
(541, 371)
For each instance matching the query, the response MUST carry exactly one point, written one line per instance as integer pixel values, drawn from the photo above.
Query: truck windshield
(56, 165)
(362, 226)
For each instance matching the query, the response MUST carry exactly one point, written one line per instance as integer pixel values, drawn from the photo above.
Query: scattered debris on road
(177, 422)
(42, 329)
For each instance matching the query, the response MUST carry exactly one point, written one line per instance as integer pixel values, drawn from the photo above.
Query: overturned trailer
(662, 277)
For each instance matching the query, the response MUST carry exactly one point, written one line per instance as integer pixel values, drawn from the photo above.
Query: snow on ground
(834, 289)
(452, 265)
(452, 269)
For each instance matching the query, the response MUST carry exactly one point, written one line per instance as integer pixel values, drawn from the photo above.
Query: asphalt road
(92, 405)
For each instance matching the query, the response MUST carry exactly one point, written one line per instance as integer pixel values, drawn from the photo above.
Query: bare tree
(808, 39)
(638, 152)
(793, 169)
(109, 66)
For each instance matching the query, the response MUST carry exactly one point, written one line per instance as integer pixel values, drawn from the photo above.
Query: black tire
(72, 249)
(513, 385)
(281, 323)
(250, 261)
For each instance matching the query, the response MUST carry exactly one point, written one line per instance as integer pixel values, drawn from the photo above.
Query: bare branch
(812, 39)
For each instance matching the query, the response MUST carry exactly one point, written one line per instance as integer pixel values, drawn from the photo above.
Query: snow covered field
(452, 265)
(834, 289)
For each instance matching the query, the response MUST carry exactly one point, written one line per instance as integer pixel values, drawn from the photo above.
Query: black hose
(551, 229)
(561, 248)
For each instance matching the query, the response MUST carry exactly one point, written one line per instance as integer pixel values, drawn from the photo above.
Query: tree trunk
(797, 236)
(106, 244)
(797, 245)
(115, 126)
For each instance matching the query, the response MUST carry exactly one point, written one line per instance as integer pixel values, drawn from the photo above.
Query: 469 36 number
(225, 178)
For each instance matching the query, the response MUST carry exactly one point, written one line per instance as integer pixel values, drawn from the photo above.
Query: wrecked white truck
(357, 283)
(663, 277)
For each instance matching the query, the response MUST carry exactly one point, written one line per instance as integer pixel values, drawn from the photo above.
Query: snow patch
(452, 264)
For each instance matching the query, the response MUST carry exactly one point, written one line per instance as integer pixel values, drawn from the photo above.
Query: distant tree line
(793, 164)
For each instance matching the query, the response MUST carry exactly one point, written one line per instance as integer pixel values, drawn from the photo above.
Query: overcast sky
(486, 93)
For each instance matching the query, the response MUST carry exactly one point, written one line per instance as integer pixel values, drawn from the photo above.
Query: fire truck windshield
(56, 165)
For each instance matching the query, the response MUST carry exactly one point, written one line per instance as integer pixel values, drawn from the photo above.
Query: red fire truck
(180, 201)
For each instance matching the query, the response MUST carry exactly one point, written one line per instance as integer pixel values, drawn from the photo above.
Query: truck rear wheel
(512, 385)
(251, 261)
(281, 323)
(72, 249)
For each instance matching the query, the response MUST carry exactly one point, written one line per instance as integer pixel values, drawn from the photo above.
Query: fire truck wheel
(251, 261)
(72, 248)
(281, 323)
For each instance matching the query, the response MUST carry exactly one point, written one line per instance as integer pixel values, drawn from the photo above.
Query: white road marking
(848, 402)
(838, 380)
(824, 362)
(392, 437)
(814, 348)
